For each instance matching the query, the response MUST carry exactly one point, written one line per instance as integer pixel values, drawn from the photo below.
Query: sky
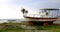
(11, 9)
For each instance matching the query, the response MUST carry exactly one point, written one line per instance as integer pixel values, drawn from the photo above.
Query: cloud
(3, 0)
(9, 11)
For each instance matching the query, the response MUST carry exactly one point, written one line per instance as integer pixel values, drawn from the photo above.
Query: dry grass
(16, 27)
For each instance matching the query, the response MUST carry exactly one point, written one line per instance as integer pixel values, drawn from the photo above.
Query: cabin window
(46, 13)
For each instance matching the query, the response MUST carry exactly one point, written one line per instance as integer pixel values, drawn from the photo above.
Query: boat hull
(40, 19)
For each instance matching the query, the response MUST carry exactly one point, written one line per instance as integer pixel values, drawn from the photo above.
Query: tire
(50, 22)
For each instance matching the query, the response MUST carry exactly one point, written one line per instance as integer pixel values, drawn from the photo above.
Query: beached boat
(45, 16)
